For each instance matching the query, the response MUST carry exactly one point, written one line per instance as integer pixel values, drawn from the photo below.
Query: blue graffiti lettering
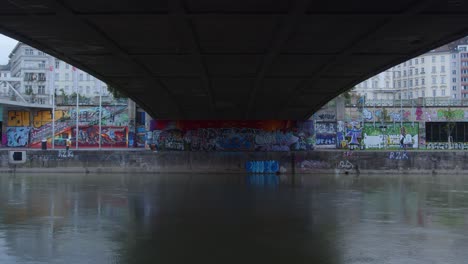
(267, 166)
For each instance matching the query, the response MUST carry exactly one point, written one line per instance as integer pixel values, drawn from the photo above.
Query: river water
(233, 219)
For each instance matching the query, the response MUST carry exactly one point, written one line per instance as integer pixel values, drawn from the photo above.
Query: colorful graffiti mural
(17, 136)
(388, 135)
(325, 134)
(349, 135)
(111, 136)
(239, 136)
(18, 118)
(114, 121)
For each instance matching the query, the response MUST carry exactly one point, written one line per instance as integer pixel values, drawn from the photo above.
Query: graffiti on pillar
(244, 136)
(262, 166)
(325, 116)
(325, 134)
(17, 136)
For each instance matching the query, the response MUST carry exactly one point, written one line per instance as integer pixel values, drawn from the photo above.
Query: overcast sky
(6, 46)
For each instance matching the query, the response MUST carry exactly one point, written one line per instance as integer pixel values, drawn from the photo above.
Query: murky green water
(233, 219)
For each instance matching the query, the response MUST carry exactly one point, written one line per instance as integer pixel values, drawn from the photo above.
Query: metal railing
(412, 102)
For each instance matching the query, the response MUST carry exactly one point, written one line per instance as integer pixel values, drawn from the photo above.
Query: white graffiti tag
(345, 165)
(63, 154)
(399, 155)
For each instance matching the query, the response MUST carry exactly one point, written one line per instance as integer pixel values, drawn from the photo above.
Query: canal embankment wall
(323, 161)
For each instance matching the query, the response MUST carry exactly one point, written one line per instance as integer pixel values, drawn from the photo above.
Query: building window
(416, 82)
(411, 72)
(28, 89)
(422, 60)
(41, 65)
(454, 96)
(454, 64)
(404, 84)
(387, 84)
(81, 90)
(442, 79)
(416, 61)
(442, 58)
(416, 71)
(374, 84)
(57, 63)
(423, 93)
(434, 93)
(41, 89)
(404, 72)
(454, 56)
(67, 76)
(443, 92)
(442, 68)
(81, 77)
(433, 69)
(454, 88)
(454, 80)
(88, 77)
(433, 58)
(417, 94)
(454, 71)
(434, 81)
(28, 52)
(67, 66)
(410, 82)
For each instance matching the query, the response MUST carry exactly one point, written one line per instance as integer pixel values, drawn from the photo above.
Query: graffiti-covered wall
(17, 136)
(325, 127)
(389, 135)
(114, 120)
(268, 135)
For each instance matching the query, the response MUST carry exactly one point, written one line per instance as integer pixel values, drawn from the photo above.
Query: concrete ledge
(312, 162)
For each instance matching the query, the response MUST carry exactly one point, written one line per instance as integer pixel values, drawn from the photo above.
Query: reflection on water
(233, 219)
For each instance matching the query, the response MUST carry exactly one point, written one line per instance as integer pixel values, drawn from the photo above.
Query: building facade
(41, 74)
(433, 75)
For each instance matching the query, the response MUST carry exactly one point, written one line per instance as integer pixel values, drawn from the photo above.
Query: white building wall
(426, 76)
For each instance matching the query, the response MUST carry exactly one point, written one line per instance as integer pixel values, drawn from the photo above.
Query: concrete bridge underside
(225, 59)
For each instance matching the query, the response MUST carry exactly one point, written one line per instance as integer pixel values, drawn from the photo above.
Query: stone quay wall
(310, 162)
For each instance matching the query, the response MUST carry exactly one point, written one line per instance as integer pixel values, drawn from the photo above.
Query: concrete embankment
(124, 161)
